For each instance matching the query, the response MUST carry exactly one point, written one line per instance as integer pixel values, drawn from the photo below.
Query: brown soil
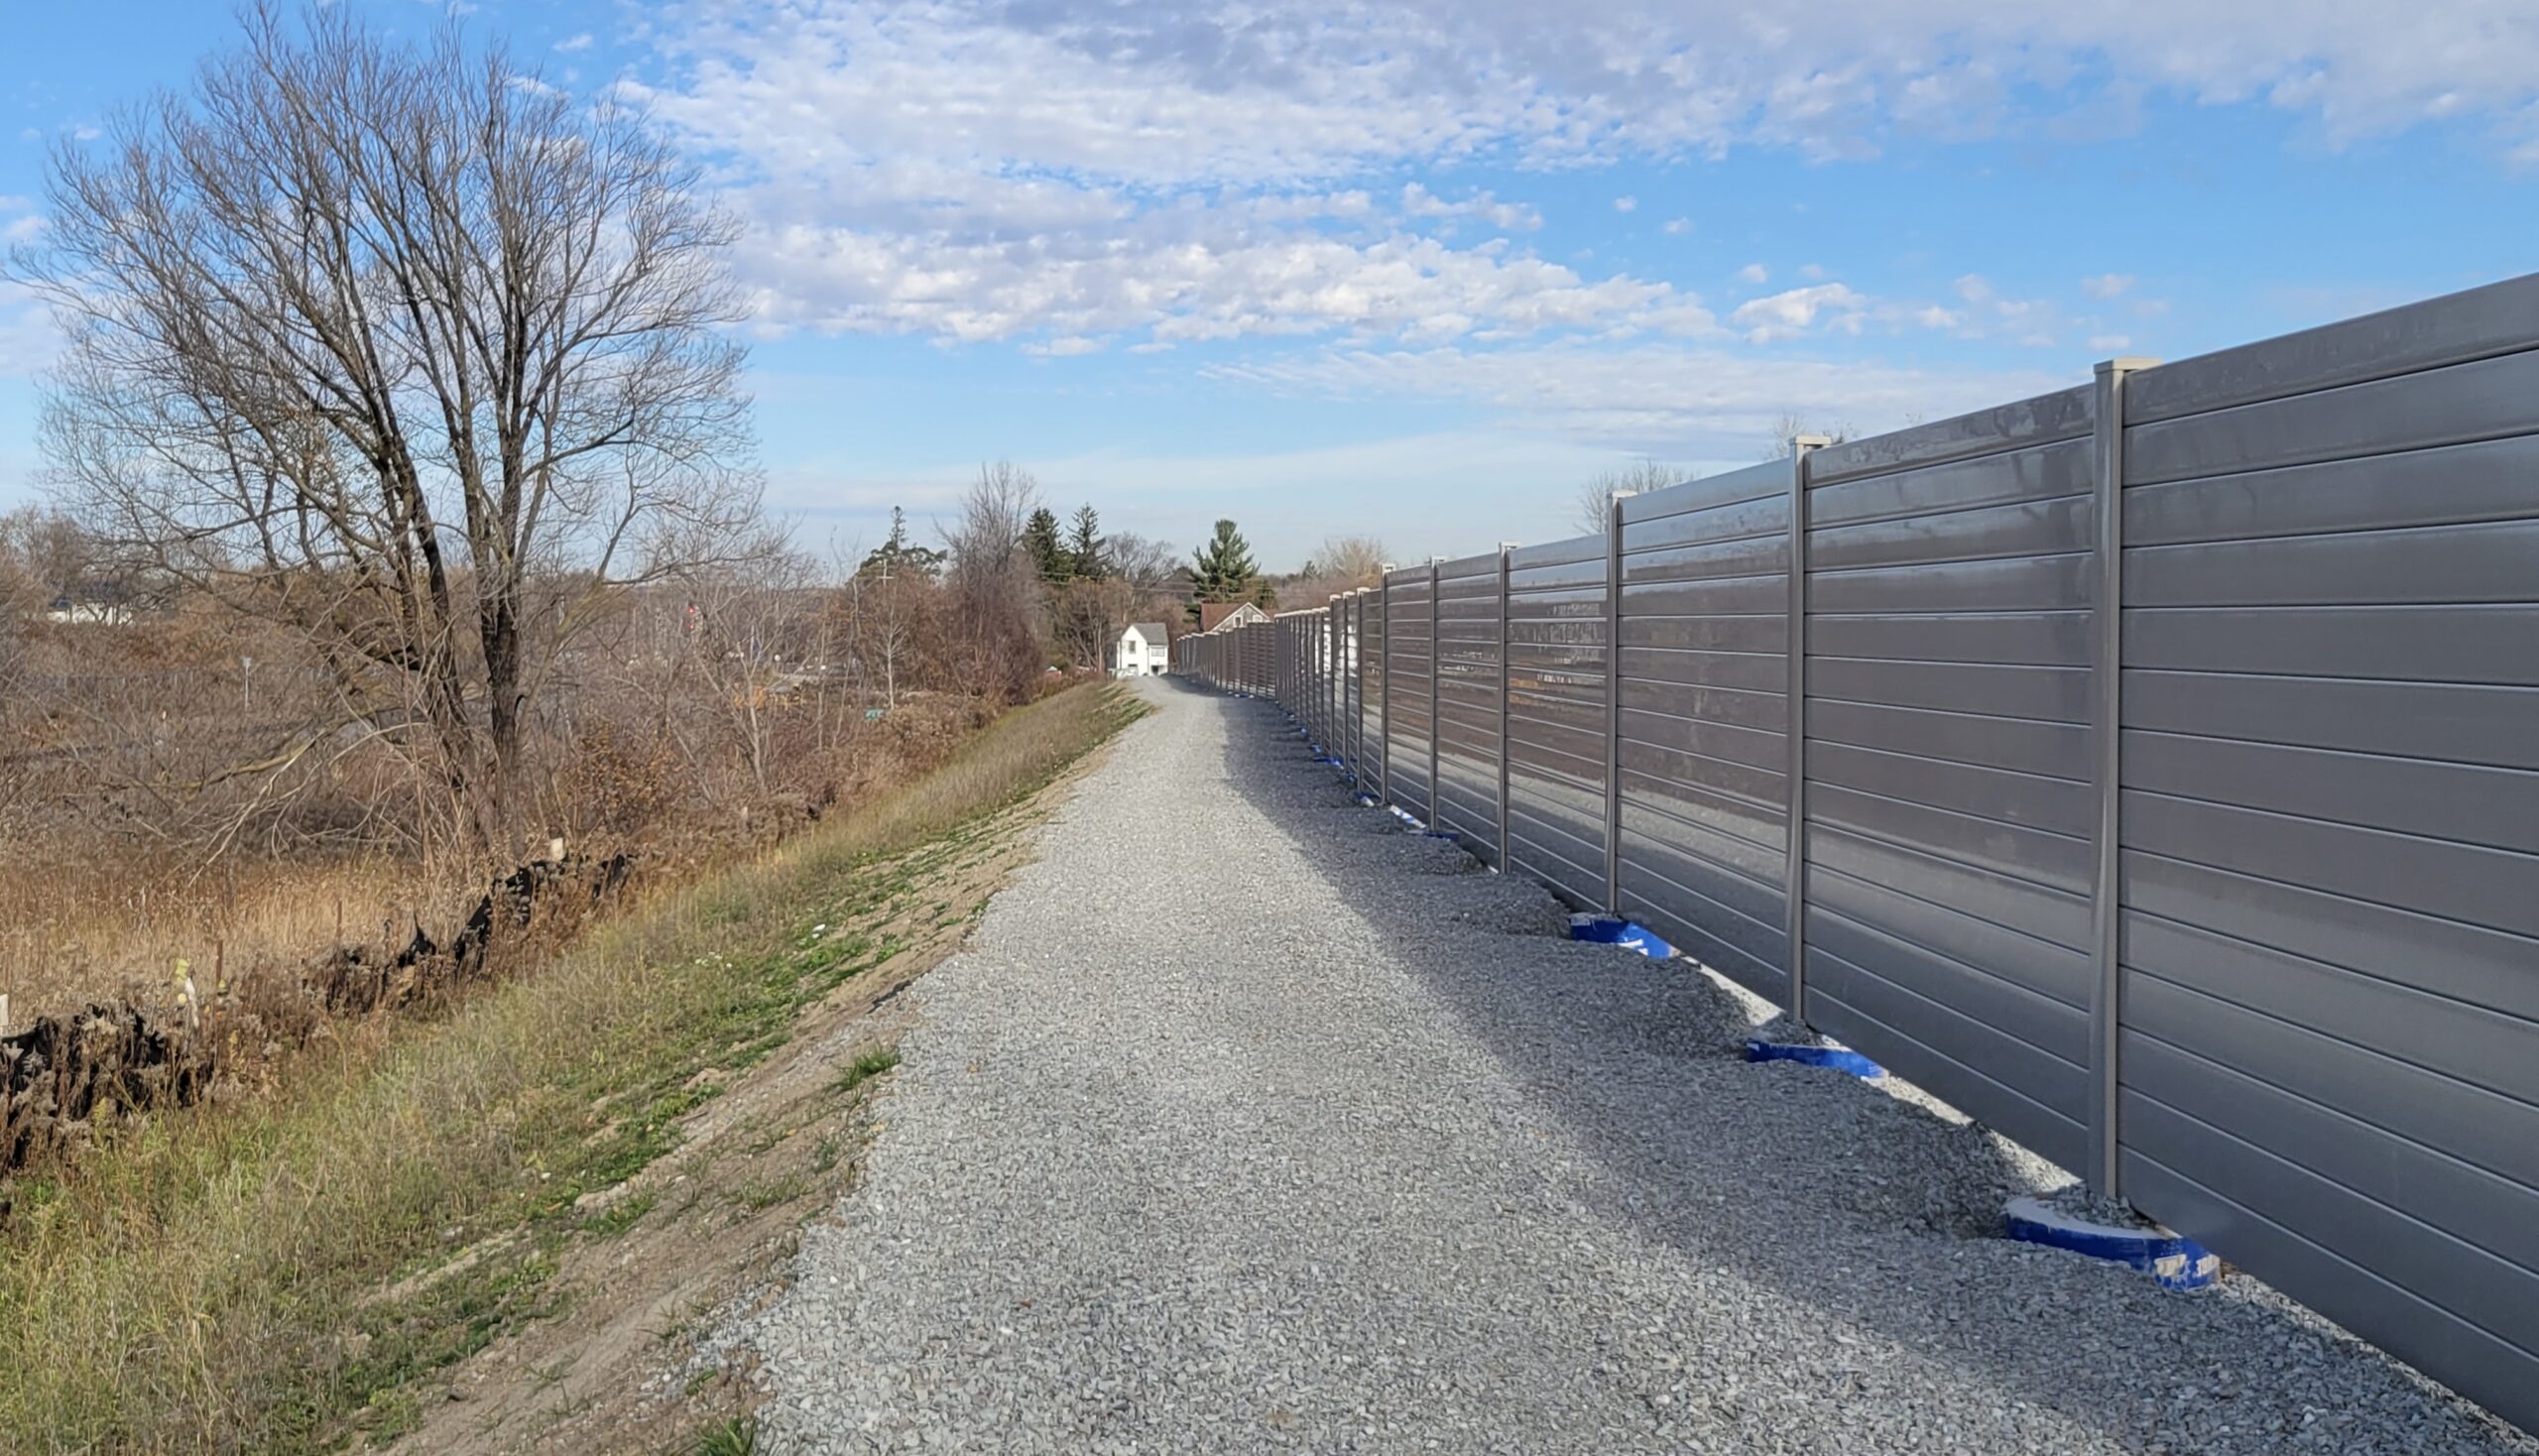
(617, 1368)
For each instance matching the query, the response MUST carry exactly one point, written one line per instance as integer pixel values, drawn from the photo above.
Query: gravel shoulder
(1247, 1120)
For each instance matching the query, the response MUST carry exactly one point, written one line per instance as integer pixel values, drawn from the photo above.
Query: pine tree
(1040, 541)
(1084, 545)
(1225, 570)
(896, 558)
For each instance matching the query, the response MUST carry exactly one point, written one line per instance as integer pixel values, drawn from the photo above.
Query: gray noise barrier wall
(2165, 758)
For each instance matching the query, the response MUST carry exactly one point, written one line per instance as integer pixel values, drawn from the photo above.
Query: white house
(1143, 651)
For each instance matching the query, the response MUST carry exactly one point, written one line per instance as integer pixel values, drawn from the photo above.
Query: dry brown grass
(72, 933)
(210, 1280)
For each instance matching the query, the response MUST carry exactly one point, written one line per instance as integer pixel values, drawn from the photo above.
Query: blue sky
(1418, 270)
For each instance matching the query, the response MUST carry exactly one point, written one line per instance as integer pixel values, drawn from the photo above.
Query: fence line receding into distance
(2156, 762)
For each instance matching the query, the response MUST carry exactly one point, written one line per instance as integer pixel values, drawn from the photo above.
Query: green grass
(735, 1438)
(211, 1280)
(865, 1067)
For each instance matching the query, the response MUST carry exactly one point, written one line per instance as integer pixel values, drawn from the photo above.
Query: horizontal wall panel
(1565, 575)
(1754, 747)
(2056, 805)
(1730, 596)
(1486, 564)
(1760, 556)
(2486, 562)
(2022, 528)
(2058, 973)
(2021, 639)
(1746, 837)
(1758, 632)
(1684, 856)
(2051, 694)
(1684, 887)
(1557, 553)
(2461, 723)
(2477, 1364)
(2022, 744)
(1963, 1062)
(1768, 480)
(2036, 583)
(1751, 671)
(2044, 419)
(2489, 480)
(1990, 480)
(1735, 708)
(2459, 882)
(2473, 963)
(1543, 606)
(2472, 1285)
(2496, 318)
(1747, 781)
(1741, 520)
(2055, 861)
(1714, 809)
(2040, 1024)
(2468, 1122)
(2466, 802)
(2469, 1043)
(2459, 402)
(2483, 644)
(2469, 1203)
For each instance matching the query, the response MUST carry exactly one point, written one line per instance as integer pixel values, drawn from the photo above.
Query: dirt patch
(664, 1256)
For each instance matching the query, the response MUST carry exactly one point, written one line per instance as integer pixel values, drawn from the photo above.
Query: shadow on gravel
(1842, 1205)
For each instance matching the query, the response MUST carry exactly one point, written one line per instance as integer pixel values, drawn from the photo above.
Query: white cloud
(1625, 204)
(988, 168)
(579, 42)
(1662, 399)
(1788, 314)
(1811, 272)
(1418, 202)
(1753, 273)
(2107, 285)
(2108, 342)
(1678, 226)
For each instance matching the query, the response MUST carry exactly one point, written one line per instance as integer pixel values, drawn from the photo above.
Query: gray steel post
(1794, 903)
(1614, 703)
(1504, 673)
(1384, 660)
(1435, 721)
(2107, 730)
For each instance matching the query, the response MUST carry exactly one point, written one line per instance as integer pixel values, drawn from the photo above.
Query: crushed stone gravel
(1252, 1121)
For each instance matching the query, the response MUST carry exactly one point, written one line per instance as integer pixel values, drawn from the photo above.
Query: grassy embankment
(212, 1278)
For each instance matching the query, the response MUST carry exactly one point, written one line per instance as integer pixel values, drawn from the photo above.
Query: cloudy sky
(1418, 269)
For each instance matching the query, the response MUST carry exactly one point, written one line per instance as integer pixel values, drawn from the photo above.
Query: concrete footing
(1840, 1058)
(1615, 930)
(2172, 1260)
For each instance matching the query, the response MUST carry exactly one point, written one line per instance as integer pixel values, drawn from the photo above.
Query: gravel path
(1250, 1122)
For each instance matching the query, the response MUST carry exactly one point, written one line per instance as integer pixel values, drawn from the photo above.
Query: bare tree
(1593, 503)
(993, 583)
(406, 349)
(1356, 560)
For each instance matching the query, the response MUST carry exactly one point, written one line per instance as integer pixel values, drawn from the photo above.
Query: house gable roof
(1213, 615)
(1155, 633)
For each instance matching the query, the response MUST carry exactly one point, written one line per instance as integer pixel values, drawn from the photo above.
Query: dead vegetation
(286, 1272)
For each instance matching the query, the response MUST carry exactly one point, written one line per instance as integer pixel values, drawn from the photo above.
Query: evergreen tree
(1040, 542)
(1225, 570)
(896, 558)
(1084, 545)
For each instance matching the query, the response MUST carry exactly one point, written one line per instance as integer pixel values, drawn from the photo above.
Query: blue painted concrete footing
(1840, 1058)
(2175, 1262)
(1366, 800)
(1615, 930)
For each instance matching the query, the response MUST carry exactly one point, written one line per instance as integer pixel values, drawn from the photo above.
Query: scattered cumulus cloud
(2107, 285)
(1753, 273)
(1678, 226)
(1788, 314)
(581, 41)
(1625, 204)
